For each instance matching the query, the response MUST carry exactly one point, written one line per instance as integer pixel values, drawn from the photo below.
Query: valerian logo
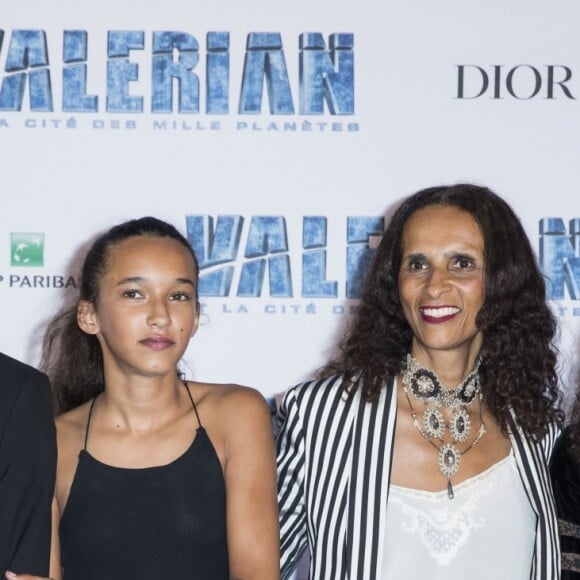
(229, 267)
(325, 80)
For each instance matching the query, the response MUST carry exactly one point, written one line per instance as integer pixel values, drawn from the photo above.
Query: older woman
(421, 451)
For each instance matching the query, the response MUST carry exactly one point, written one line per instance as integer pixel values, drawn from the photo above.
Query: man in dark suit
(27, 468)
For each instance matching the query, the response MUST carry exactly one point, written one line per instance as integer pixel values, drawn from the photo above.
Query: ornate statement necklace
(424, 385)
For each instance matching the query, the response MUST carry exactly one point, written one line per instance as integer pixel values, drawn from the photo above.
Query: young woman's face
(441, 280)
(147, 309)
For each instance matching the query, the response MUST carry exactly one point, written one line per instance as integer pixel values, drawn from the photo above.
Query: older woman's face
(441, 281)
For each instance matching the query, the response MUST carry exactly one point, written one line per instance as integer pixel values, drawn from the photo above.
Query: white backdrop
(511, 123)
(440, 92)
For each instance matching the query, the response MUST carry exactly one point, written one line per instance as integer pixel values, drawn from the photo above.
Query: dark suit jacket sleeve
(27, 470)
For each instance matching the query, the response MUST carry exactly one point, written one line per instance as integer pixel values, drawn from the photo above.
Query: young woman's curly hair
(519, 358)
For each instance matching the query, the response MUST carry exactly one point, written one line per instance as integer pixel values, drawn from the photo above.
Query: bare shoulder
(70, 432)
(231, 396)
(71, 426)
(231, 404)
(74, 417)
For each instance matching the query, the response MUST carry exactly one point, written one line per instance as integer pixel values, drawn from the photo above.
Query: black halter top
(160, 522)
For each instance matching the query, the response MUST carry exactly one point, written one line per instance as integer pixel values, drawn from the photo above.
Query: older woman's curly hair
(519, 356)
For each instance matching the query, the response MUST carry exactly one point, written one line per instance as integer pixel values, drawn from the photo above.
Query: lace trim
(469, 482)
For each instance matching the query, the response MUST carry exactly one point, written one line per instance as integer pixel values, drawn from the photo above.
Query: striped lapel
(533, 470)
(373, 433)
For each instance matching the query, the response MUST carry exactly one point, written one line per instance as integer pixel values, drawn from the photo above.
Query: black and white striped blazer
(334, 459)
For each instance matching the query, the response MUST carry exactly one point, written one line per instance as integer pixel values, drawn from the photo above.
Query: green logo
(27, 250)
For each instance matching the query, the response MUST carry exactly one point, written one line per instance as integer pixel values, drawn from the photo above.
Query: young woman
(421, 451)
(158, 477)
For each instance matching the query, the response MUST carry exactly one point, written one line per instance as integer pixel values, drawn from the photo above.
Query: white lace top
(486, 531)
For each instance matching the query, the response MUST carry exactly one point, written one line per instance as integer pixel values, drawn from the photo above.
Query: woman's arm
(250, 476)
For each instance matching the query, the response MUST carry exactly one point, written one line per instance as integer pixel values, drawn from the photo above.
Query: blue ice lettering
(265, 60)
(267, 235)
(27, 58)
(74, 74)
(560, 257)
(214, 246)
(120, 71)
(218, 73)
(358, 252)
(165, 71)
(314, 283)
(326, 76)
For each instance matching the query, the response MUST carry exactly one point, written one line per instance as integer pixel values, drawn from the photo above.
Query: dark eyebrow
(131, 280)
(141, 279)
(185, 281)
(414, 256)
(458, 254)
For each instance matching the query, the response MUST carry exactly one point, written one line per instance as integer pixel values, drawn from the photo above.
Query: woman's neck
(144, 404)
(450, 367)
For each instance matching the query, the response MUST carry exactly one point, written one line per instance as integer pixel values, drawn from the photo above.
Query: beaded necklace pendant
(424, 385)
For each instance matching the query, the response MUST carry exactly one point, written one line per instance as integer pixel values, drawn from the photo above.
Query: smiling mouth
(439, 314)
